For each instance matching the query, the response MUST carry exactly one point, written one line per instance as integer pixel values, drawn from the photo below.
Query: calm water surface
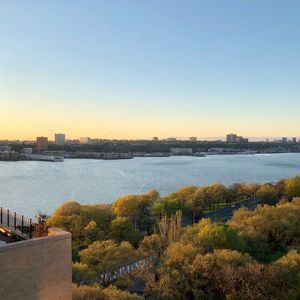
(28, 187)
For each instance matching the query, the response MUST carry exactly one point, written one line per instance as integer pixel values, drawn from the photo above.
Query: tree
(187, 191)
(100, 213)
(74, 217)
(292, 187)
(136, 208)
(169, 205)
(122, 230)
(250, 189)
(67, 217)
(170, 228)
(85, 292)
(82, 274)
(269, 229)
(113, 293)
(219, 236)
(237, 191)
(41, 227)
(92, 233)
(218, 194)
(209, 197)
(174, 276)
(68, 208)
(105, 258)
(152, 247)
(185, 273)
(267, 193)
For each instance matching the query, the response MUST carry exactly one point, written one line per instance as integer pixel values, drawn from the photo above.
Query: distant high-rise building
(155, 139)
(294, 140)
(60, 139)
(41, 143)
(171, 139)
(231, 138)
(284, 139)
(85, 140)
(193, 139)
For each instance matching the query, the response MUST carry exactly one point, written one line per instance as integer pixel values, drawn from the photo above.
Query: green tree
(100, 213)
(92, 233)
(137, 209)
(82, 274)
(122, 230)
(75, 218)
(68, 217)
(209, 197)
(219, 236)
(269, 229)
(169, 205)
(105, 258)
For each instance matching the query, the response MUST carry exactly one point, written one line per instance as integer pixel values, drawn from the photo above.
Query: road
(225, 213)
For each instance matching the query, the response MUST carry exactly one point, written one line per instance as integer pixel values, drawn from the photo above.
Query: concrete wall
(37, 269)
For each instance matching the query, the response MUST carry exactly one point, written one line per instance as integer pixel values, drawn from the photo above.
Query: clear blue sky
(136, 69)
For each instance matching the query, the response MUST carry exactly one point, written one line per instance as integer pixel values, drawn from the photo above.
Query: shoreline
(151, 156)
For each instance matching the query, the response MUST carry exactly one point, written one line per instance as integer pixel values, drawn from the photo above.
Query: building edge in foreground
(39, 268)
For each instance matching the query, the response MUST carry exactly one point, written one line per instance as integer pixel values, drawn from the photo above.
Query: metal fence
(18, 223)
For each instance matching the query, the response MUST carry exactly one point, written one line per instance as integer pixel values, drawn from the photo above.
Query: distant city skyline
(138, 69)
(86, 139)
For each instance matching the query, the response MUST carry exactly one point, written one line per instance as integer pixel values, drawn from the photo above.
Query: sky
(136, 69)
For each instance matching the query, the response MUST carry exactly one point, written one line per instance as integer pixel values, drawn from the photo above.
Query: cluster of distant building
(234, 138)
(59, 140)
(174, 139)
(286, 140)
(171, 146)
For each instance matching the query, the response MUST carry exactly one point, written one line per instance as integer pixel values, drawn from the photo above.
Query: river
(31, 186)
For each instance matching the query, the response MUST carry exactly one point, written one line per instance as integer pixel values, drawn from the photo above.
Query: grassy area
(223, 204)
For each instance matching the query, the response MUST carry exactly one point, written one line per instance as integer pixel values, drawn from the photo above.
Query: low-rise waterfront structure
(42, 157)
(181, 151)
(27, 151)
(5, 148)
(9, 155)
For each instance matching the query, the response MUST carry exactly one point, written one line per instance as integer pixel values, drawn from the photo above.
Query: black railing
(20, 224)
